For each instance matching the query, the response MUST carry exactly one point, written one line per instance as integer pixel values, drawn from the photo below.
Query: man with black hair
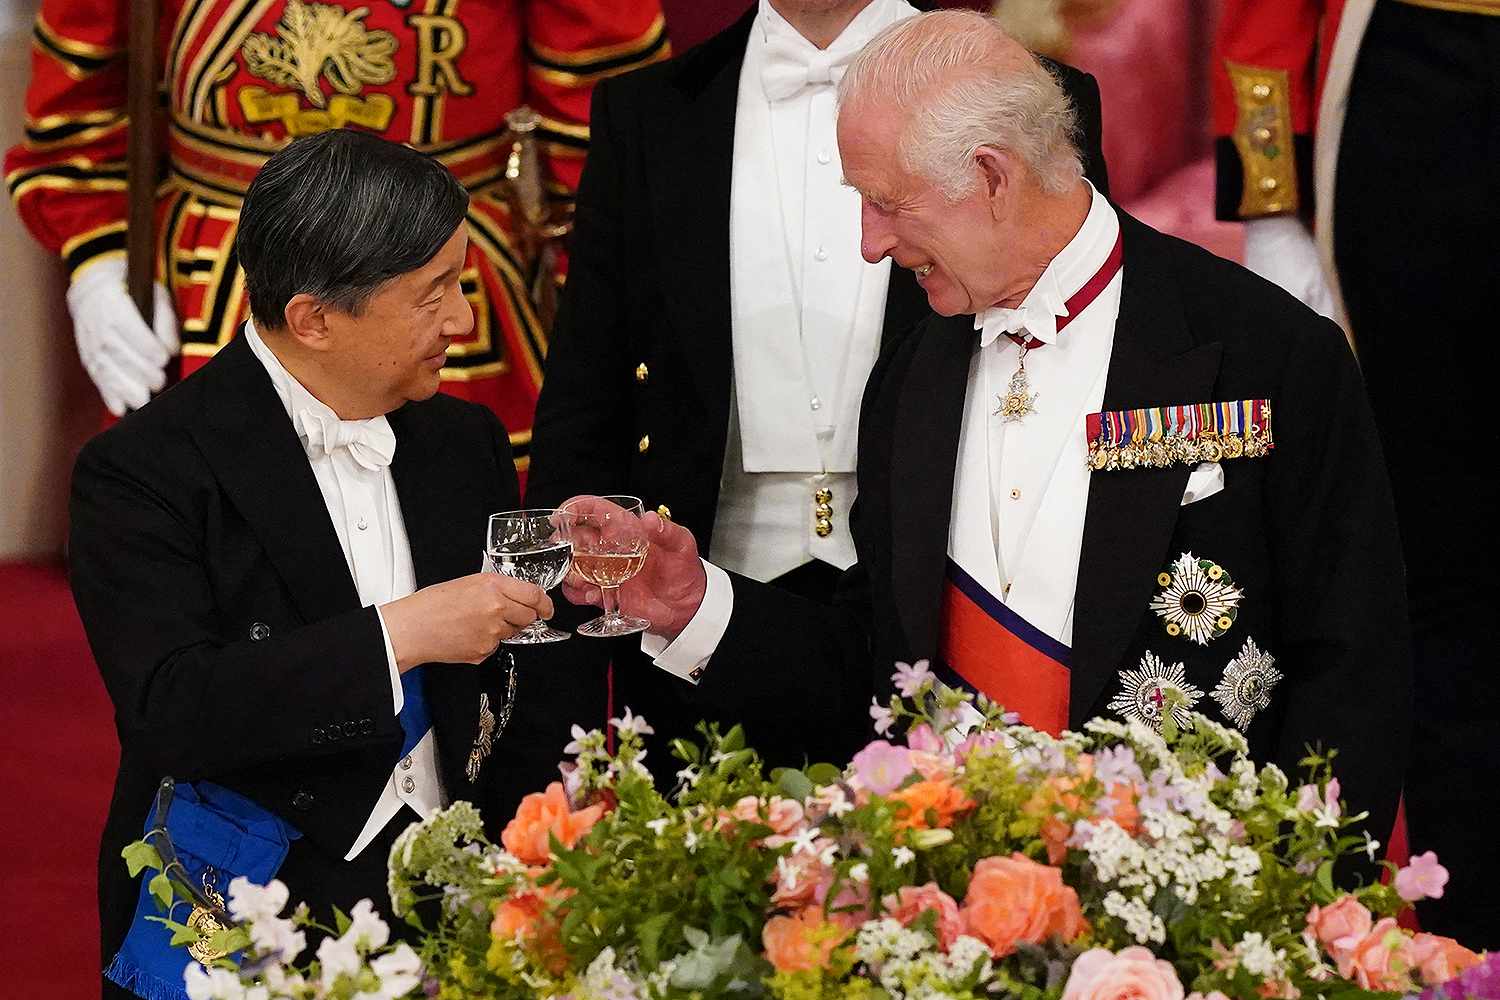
(276, 562)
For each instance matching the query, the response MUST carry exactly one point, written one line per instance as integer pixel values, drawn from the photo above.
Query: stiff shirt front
(366, 517)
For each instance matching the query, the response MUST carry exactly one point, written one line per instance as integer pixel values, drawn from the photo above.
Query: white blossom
(903, 856)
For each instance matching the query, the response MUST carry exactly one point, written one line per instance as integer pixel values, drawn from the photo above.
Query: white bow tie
(790, 65)
(371, 442)
(1032, 319)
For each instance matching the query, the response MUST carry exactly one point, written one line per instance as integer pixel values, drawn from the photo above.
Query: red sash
(988, 648)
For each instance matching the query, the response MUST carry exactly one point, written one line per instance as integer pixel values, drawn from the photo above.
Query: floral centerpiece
(1115, 863)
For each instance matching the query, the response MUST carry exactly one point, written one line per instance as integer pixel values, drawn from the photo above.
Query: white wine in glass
(609, 547)
(528, 545)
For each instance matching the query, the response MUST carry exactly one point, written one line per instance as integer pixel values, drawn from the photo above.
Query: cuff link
(644, 445)
(664, 512)
(642, 373)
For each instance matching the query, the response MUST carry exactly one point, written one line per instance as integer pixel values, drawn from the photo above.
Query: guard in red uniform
(242, 77)
(1376, 123)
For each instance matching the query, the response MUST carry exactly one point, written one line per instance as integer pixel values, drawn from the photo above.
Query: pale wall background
(47, 407)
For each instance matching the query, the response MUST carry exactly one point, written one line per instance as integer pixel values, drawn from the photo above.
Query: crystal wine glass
(609, 547)
(527, 545)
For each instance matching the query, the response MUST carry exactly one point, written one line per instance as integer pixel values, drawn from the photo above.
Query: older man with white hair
(1115, 475)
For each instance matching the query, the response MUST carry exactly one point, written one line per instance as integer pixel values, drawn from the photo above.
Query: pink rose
(1382, 960)
(910, 902)
(1340, 927)
(1423, 878)
(1211, 995)
(924, 739)
(800, 879)
(1439, 958)
(1133, 974)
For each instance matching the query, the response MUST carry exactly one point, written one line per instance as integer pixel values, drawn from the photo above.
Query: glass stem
(609, 600)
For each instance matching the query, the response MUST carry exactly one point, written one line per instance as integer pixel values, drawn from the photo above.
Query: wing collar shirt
(807, 310)
(351, 461)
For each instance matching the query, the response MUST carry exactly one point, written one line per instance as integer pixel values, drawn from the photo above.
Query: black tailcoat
(230, 635)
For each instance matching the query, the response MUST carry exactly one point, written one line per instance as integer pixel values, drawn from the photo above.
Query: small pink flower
(924, 739)
(881, 767)
(909, 677)
(1423, 878)
(882, 717)
(977, 741)
(1382, 961)
(1133, 974)
(910, 902)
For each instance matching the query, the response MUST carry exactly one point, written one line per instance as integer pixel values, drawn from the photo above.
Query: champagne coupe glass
(527, 545)
(609, 547)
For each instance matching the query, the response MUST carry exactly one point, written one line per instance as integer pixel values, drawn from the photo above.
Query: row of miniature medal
(1198, 601)
(1156, 437)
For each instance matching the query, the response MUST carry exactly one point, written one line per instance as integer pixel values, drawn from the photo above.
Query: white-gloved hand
(125, 358)
(1280, 249)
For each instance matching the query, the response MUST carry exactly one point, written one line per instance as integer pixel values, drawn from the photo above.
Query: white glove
(1280, 249)
(125, 358)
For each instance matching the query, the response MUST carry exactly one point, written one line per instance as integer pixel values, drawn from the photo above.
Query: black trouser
(1417, 246)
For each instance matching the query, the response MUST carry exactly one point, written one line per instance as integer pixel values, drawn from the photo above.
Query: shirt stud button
(406, 763)
(815, 403)
(821, 253)
(1015, 494)
(408, 784)
(824, 156)
(362, 524)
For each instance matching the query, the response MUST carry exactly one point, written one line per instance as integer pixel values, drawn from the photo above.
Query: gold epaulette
(1263, 138)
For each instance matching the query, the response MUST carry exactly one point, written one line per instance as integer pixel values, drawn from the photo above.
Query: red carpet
(57, 756)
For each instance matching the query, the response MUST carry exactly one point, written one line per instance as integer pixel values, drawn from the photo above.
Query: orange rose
(1015, 900)
(802, 942)
(1382, 960)
(1440, 958)
(527, 918)
(930, 800)
(547, 813)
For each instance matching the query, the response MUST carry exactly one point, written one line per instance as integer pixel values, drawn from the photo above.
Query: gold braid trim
(1489, 7)
(1263, 138)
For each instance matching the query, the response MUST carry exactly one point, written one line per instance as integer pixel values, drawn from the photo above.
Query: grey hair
(967, 84)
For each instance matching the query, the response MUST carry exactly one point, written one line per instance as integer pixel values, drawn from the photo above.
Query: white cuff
(687, 655)
(397, 695)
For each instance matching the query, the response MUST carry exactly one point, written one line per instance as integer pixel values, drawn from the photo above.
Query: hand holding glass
(528, 545)
(609, 547)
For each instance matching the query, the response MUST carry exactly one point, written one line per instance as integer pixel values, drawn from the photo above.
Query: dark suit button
(259, 631)
(351, 730)
(366, 727)
(318, 735)
(302, 801)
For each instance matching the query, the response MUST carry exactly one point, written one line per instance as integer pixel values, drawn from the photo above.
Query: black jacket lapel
(694, 168)
(248, 440)
(1131, 515)
(905, 305)
(445, 523)
(929, 416)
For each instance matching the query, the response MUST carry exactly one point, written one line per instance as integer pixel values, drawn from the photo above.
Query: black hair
(337, 215)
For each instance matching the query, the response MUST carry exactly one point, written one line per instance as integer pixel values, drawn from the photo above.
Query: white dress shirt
(360, 494)
(807, 310)
(1020, 488)
(1020, 492)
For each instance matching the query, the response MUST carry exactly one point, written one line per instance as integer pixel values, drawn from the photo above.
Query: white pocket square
(1206, 479)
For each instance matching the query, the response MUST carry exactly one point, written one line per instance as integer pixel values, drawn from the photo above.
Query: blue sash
(210, 827)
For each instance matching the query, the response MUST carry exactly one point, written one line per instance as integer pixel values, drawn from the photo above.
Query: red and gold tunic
(243, 77)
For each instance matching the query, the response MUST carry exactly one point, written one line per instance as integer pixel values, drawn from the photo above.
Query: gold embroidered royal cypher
(316, 42)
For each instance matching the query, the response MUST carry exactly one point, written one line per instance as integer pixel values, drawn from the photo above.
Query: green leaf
(181, 933)
(341, 920)
(229, 940)
(1325, 877)
(140, 855)
(824, 774)
(733, 740)
(685, 750)
(649, 933)
(160, 887)
(794, 784)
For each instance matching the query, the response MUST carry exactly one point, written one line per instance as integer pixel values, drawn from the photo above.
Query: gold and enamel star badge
(1198, 600)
